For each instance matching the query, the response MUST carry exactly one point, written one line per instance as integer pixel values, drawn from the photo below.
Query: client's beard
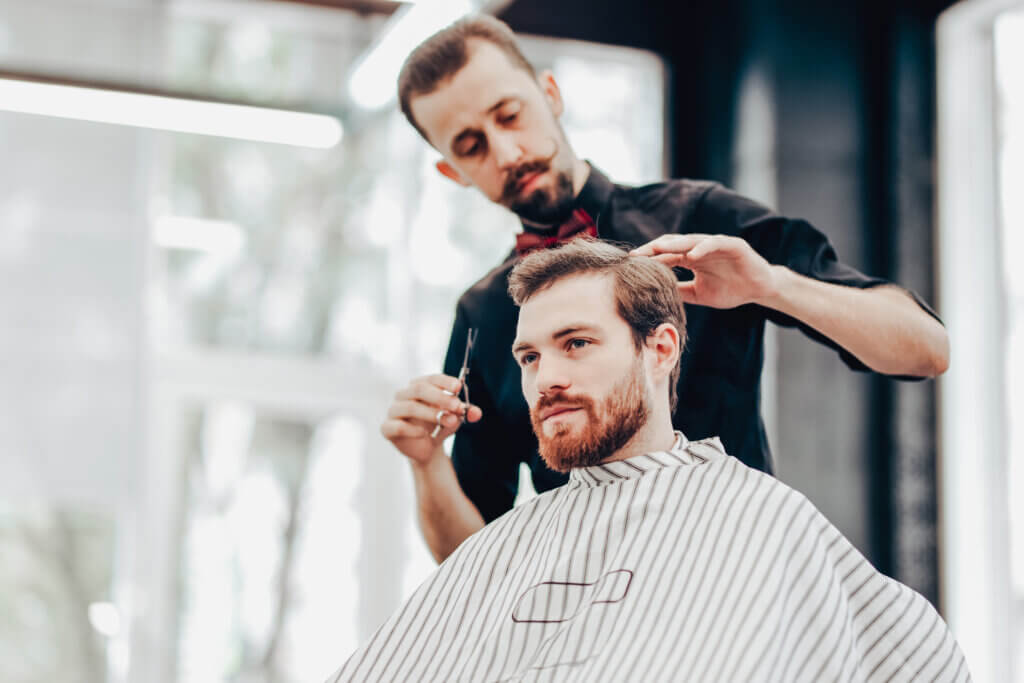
(542, 206)
(622, 413)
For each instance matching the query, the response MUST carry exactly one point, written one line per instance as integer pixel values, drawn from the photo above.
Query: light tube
(373, 81)
(160, 112)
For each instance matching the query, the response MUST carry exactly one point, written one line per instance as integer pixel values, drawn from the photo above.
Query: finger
(446, 425)
(687, 292)
(662, 244)
(415, 410)
(394, 428)
(470, 413)
(450, 422)
(672, 260)
(444, 382)
(670, 244)
(430, 382)
(718, 243)
(400, 429)
(429, 394)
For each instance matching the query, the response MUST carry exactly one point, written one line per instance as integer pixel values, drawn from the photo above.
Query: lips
(557, 410)
(529, 181)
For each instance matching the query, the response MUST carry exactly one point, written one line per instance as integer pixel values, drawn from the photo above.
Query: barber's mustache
(516, 175)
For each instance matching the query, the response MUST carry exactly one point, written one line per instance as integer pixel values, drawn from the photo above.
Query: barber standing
(472, 95)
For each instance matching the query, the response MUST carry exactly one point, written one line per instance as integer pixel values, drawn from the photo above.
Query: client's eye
(578, 343)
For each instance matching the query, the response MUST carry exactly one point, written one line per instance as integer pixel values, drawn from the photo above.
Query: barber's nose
(551, 377)
(507, 151)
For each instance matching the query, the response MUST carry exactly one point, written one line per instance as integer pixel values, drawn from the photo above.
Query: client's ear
(664, 342)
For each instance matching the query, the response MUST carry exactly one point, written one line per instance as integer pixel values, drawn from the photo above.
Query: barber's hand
(727, 272)
(418, 409)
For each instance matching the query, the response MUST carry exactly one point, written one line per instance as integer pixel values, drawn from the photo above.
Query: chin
(557, 430)
(560, 465)
(568, 449)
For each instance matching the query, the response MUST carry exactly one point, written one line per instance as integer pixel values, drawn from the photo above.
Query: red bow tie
(579, 224)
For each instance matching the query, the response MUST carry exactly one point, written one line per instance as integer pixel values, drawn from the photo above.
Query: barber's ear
(665, 343)
(450, 172)
(546, 81)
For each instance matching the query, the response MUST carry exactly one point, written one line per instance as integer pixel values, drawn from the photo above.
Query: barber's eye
(527, 358)
(510, 118)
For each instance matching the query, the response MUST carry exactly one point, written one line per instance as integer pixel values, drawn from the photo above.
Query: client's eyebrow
(564, 332)
(520, 346)
(573, 329)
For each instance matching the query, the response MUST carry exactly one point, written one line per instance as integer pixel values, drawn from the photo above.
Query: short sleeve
(793, 243)
(487, 471)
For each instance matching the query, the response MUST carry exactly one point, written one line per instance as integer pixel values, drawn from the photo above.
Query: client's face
(582, 376)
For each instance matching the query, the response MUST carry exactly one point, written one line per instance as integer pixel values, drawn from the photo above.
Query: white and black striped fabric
(683, 565)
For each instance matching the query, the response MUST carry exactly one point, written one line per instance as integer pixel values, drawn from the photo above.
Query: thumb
(687, 291)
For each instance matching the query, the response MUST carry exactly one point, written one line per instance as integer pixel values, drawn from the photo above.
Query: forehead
(464, 99)
(587, 299)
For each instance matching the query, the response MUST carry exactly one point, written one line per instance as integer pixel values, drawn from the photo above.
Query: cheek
(529, 387)
(546, 129)
(483, 176)
(490, 181)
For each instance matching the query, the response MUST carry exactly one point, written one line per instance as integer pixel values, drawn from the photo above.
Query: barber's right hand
(418, 409)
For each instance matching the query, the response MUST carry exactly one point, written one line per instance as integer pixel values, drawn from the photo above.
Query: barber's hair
(645, 290)
(443, 54)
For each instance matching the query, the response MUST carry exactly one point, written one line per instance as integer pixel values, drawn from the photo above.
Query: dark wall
(851, 89)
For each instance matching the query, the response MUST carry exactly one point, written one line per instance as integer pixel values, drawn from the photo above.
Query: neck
(580, 173)
(656, 435)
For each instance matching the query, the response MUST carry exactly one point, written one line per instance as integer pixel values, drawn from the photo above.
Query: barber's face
(498, 130)
(586, 384)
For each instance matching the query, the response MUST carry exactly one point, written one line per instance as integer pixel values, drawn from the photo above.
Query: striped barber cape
(683, 565)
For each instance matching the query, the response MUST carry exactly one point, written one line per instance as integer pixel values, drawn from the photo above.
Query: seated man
(662, 559)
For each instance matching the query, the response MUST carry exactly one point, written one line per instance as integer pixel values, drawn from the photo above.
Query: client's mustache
(563, 398)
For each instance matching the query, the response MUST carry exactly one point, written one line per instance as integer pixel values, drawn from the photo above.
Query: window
(981, 168)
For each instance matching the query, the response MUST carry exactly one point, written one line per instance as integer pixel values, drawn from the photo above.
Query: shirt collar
(683, 452)
(596, 193)
(593, 198)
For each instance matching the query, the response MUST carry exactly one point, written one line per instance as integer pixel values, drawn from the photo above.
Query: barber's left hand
(727, 272)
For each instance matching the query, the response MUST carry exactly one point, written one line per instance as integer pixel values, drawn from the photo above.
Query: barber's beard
(608, 428)
(544, 205)
(547, 206)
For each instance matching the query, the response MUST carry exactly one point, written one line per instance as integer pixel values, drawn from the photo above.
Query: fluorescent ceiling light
(374, 81)
(198, 234)
(161, 112)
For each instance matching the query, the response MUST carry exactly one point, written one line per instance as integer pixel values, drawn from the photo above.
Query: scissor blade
(470, 341)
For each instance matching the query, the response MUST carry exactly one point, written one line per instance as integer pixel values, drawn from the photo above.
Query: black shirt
(720, 375)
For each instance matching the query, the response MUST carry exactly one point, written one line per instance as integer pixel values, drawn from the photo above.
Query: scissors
(463, 374)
